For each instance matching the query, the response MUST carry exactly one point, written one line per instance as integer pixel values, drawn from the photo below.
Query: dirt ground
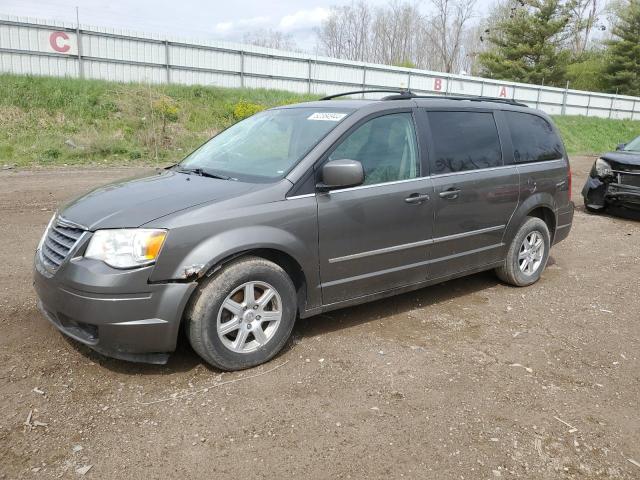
(470, 379)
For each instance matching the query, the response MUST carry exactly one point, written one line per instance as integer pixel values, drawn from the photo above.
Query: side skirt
(396, 291)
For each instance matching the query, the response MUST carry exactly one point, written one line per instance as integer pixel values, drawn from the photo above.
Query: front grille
(59, 240)
(631, 180)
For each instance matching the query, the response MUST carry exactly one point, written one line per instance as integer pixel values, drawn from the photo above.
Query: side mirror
(620, 146)
(341, 174)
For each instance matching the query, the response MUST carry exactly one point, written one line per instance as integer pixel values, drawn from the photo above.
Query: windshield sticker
(327, 116)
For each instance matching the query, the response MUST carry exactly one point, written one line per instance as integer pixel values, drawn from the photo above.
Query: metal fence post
(538, 97)
(364, 79)
(613, 97)
(167, 61)
(482, 88)
(241, 68)
(79, 42)
(633, 109)
(309, 77)
(408, 80)
(588, 104)
(564, 99)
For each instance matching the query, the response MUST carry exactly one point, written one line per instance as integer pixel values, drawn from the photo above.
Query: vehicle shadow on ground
(184, 359)
(623, 213)
(396, 305)
(614, 212)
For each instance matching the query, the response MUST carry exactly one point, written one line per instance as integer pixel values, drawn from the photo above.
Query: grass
(591, 135)
(58, 121)
(55, 121)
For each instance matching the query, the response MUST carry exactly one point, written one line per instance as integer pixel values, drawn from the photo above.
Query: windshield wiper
(203, 173)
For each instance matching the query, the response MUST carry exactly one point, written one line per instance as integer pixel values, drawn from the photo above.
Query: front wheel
(242, 316)
(527, 255)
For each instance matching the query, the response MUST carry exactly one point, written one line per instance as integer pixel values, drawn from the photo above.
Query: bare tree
(270, 39)
(394, 39)
(585, 15)
(400, 34)
(346, 32)
(446, 30)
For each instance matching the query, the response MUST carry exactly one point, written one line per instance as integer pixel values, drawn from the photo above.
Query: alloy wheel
(249, 317)
(531, 253)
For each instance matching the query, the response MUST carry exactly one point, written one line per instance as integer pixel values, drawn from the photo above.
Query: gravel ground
(470, 379)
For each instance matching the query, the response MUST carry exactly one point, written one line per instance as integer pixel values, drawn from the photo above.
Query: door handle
(416, 198)
(450, 194)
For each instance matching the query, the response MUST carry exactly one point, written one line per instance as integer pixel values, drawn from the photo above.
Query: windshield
(633, 145)
(266, 146)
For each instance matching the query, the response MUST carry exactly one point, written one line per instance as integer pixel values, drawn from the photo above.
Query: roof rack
(408, 94)
(472, 98)
(399, 93)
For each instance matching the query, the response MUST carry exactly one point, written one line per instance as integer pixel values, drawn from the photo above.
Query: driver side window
(386, 147)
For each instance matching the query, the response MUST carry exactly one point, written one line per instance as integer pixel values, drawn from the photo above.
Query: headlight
(126, 248)
(602, 168)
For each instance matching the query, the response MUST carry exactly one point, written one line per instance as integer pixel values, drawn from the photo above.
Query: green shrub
(242, 110)
(51, 153)
(167, 109)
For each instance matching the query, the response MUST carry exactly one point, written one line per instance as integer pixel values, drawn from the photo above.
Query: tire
(223, 322)
(521, 272)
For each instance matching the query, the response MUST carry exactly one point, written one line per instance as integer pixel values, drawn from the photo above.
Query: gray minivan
(303, 209)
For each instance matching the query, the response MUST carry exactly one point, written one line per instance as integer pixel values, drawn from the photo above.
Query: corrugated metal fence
(45, 47)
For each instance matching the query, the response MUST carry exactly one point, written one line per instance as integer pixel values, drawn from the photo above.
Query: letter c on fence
(59, 42)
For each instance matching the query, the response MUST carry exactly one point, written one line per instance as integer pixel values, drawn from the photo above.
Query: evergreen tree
(623, 70)
(526, 43)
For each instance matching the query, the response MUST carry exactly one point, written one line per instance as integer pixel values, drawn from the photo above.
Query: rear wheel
(527, 255)
(243, 315)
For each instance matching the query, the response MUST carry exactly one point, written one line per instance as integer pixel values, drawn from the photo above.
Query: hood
(621, 158)
(134, 202)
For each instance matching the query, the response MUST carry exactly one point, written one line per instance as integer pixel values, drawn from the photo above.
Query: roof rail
(473, 98)
(399, 93)
(408, 94)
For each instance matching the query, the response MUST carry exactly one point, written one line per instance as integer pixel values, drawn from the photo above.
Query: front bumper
(598, 194)
(115, 312)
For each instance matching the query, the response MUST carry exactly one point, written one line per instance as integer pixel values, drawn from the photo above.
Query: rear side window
(533, 138)
(463, 141)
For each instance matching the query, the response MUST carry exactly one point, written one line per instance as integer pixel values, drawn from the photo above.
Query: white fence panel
(47, 47)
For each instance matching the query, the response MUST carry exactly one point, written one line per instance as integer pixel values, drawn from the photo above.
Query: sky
(224, 20)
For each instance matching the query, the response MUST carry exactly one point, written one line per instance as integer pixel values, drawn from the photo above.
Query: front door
(475, 193)
(375, 237)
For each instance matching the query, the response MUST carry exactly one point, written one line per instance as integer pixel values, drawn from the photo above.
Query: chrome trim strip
(456, 236)
(104, 298)
(476, 170)
(381, 251)
(421, 243)
(441, 175)
(395, 182)
(147, 321)
(360, 187)
(405, 267)
(306, 195)
(625, 173)
(566, 225)
(69, 223)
